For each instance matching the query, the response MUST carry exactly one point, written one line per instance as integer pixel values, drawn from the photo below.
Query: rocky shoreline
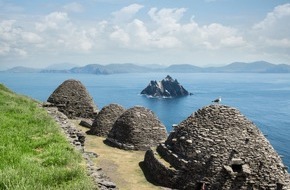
(77, 138)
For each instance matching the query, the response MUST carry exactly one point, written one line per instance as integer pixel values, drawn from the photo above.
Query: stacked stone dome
(217, 148)
(137, 129)
(104, 121)
(73, 99)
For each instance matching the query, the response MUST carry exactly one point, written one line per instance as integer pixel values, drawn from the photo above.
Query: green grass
(34, 154)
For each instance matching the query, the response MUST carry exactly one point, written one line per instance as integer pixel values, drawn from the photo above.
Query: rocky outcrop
(104, 121)
(217, 148)
(72, 99)
(137, 129)
(168, 87)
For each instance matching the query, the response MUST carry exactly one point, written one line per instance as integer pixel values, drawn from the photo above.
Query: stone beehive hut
(137, 129)
(104, 121)
(217, 148)
(72, 98)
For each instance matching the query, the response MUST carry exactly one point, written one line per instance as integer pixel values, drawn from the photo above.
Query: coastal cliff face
(217, 148)
(73, 99)
(168, 87)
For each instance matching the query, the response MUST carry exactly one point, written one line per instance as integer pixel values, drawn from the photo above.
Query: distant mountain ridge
(236, 67)
(20, 69)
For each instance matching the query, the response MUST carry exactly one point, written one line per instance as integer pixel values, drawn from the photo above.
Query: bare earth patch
(122, 167)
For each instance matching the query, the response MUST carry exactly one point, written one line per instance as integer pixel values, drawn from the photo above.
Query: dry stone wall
(77, 140)
(104, 121)
(219, 148)
(72, 99)
(137, 129)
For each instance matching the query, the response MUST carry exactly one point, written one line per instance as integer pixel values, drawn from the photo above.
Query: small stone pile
(217, 148)
(137, 129)
(72, 99)
(104, 121)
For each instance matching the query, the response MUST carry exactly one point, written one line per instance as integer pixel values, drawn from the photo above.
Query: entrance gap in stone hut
(237, 168)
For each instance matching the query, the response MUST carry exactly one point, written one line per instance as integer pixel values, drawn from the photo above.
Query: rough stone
(220, 157)
(77, 139)
(86, 123)
(72, 99)
(168, 87)
(104, 121)
(137, 128)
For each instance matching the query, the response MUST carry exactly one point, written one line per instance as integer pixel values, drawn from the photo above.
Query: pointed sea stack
(217, 148)
(137, 129)
(73, 99)
(104, 121)
(168, 87)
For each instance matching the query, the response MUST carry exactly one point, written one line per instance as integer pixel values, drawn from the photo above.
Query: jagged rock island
(168, 87)
(73, 99)
(138, 128)
(217, 148)
(104, 121)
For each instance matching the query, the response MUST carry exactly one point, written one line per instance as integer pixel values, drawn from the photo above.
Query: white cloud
(126, 13)
(273, 18)
(167, 19)
(272, 35)
(159, 32)
(276, 24)
(139, 33)
(4, 48)
(169, 32)
(216, 36)
(282, 43)
(73, 7)
(53, 21)
(30, 37)
(61, 33)
(121, 36)
(14, 38)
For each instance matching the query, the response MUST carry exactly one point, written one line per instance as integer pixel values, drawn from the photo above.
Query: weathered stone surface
(218, 148)
(165, 88)
(86, 123)
(104, 121)
(72, 98)
(77, 139)
(137, 129)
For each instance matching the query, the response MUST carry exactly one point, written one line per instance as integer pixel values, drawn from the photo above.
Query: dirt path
(122, 167)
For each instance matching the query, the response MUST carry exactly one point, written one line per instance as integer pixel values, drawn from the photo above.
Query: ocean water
(262, 98)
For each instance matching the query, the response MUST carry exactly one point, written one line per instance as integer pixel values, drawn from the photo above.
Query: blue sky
(199, 32)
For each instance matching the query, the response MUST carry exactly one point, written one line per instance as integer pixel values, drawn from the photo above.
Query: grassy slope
(33, 152)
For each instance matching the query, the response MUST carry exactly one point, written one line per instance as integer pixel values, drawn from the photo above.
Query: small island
(167, 88)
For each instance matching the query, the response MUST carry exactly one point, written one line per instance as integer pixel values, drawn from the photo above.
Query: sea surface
(262, 98)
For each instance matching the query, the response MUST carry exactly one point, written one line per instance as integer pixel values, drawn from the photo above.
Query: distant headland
(235, 67)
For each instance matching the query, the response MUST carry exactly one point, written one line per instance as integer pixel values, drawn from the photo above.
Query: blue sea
(263, 98)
